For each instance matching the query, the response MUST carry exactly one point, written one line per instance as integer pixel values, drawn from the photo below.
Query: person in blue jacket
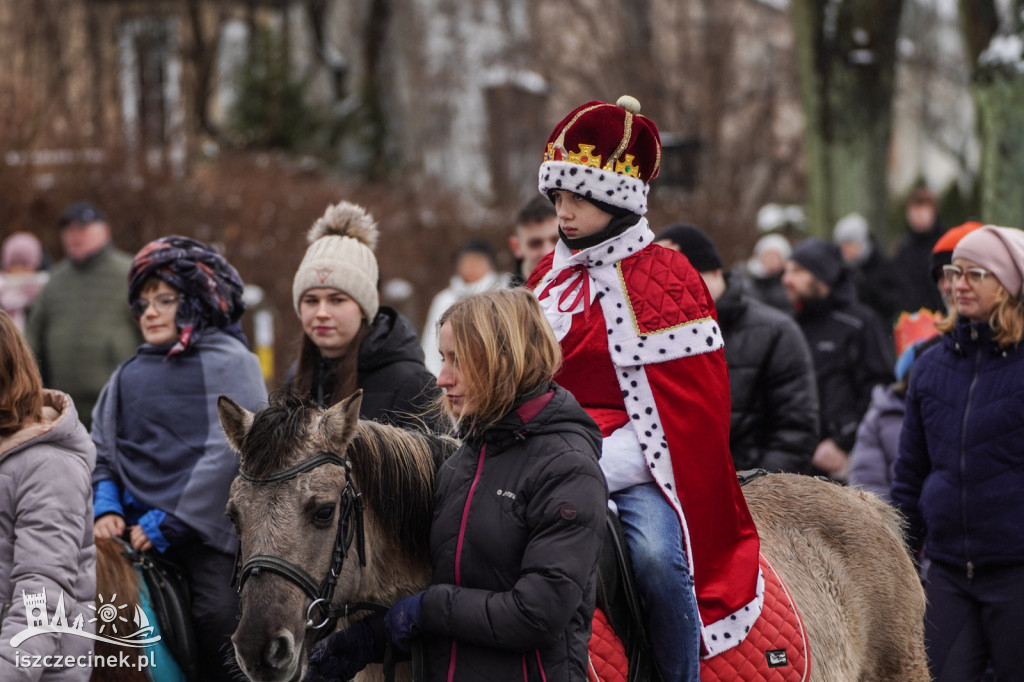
(960, 471)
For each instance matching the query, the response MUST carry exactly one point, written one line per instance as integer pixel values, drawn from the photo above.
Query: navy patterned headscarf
(210, 289)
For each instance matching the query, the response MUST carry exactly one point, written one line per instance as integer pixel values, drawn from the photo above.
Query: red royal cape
(652, 324)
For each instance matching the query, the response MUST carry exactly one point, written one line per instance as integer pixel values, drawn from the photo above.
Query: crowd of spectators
(893, 373)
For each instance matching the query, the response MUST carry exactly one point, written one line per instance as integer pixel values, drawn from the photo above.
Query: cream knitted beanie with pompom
(340, 256)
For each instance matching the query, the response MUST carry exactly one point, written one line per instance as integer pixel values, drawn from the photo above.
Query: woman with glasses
(960, 471)
(163, 465)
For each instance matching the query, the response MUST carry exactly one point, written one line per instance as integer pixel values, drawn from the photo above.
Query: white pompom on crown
(629, 103)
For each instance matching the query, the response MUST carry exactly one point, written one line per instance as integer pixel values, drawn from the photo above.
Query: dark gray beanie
(822, 258)
(694, 244)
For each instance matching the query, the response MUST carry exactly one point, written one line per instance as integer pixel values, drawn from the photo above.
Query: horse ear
(339, 422)
(235, 420)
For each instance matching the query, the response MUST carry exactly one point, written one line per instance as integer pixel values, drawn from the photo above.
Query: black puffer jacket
(397, 388)
(774, 421)
(879, 285)
(394, 380)
(517, 529)
(913, 261)
(851, 354)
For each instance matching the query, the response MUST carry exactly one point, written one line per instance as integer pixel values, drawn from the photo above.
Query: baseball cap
(82, 212)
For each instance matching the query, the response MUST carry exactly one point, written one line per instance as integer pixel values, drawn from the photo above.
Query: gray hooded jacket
(46, 541)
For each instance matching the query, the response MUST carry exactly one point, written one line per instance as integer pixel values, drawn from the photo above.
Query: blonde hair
(21, 388)
(504, 347)
(1006, 319)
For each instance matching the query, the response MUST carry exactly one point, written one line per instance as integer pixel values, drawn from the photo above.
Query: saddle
(776, 649)
(619, 648)
(169, 596)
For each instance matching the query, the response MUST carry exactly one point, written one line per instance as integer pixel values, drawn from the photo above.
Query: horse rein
(350, 527)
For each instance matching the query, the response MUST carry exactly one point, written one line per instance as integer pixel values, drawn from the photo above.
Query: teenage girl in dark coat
(350, 341)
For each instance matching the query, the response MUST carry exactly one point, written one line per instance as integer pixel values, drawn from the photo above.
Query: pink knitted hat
(21, 248)
(999, 250)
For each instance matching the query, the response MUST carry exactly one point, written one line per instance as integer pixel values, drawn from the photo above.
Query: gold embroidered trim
(657, 160)
(632, 313)
(627, 130)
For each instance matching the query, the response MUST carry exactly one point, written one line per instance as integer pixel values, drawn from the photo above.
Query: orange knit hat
(942, 252)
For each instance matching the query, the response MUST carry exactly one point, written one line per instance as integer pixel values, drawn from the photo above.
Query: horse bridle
(350, 527)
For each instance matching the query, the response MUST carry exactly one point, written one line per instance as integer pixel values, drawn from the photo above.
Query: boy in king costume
(643, 355)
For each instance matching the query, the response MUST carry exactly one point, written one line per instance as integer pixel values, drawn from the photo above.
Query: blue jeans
(657, 551)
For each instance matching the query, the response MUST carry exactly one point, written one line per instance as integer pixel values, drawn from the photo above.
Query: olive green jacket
(80, 327)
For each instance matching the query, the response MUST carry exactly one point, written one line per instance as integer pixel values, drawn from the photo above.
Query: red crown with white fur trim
(606, 152)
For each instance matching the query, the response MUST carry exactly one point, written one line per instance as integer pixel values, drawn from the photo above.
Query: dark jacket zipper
(963, 456)
(458, 547)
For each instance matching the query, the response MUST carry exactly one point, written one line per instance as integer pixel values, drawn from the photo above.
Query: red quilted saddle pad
(776, 650)
(608, 662)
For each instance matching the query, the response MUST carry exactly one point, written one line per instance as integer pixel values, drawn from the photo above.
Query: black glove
(346, 652)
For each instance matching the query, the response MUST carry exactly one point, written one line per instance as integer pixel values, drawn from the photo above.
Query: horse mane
(116, 577)
(276, 431)
(395, 470)
(115, 574)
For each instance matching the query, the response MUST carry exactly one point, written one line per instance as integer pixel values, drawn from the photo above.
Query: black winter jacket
(774, 423)
(879, 286)
(769, 290)
(397, 388)
(851, 354)
(960, 471)
(913, 262)
(518, 526)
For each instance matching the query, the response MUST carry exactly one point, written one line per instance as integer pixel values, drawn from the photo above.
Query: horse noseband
(350, 527)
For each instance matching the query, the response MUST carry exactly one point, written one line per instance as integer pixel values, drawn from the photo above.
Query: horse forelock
(395, 471)
(278, 433)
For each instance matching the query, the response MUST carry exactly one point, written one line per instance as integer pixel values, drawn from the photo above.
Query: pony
(842, 554)
(115, 575)
(840, 551)
(304, 535)
(119, 580)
